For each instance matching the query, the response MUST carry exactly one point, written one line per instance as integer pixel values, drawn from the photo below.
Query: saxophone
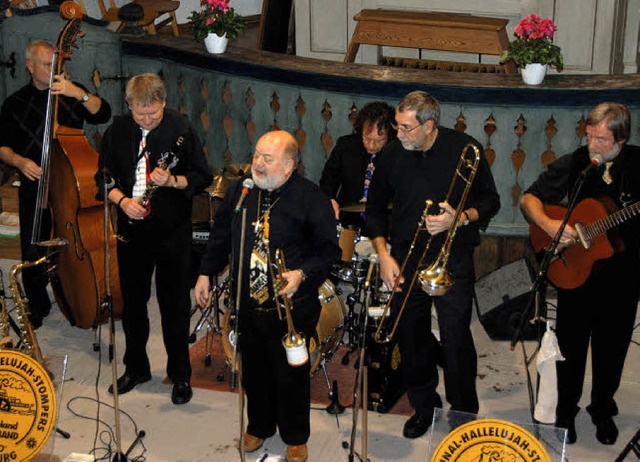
(28, 338)
(5, 339)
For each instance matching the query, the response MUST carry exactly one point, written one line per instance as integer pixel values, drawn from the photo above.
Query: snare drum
(329, 329)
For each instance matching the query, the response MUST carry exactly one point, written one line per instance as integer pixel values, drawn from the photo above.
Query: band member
(156, 237)
(347, 173)
(580, 319)
(297, 218)
(22, 119)
(420, 165)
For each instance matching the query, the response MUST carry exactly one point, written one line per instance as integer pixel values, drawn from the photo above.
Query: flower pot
(533, 74)
(216, 44)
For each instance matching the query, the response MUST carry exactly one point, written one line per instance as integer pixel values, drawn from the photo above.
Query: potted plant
(533, 50)
(215, 23)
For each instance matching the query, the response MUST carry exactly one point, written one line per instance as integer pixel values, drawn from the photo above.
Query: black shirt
(22, 121)
(302, 224)
(406, 179)
(554, 185)
(170, 207)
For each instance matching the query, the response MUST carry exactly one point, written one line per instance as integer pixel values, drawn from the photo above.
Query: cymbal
(223, 180)
(358, 207)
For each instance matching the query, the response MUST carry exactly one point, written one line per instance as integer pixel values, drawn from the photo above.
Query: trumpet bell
(435, 281)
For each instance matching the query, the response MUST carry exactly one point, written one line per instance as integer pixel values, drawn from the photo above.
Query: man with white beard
(284, 211)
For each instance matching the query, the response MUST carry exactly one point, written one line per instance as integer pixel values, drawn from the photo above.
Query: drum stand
(210, 315)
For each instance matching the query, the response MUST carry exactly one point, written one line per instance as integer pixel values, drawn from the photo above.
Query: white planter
(216, 44)
(533, 74)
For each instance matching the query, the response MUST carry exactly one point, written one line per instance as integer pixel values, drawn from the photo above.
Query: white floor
(207, 428)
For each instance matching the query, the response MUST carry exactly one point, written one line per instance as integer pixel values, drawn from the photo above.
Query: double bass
(79, 277)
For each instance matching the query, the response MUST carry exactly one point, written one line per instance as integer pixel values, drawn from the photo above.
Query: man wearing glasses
(418, 166)
(580, 317)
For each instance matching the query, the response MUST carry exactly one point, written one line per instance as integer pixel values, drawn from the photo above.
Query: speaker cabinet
(384, 374)
(501, 298)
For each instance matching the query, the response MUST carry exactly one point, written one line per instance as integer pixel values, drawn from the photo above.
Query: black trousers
(602, 312)
(137, 260)
(34, 279)
(278, 395)
(420, 350)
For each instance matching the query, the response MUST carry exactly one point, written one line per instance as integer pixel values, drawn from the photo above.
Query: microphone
(596, 161)
(373, 259)
(247, 185)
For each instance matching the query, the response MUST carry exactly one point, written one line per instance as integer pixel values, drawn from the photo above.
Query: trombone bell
(435, 281)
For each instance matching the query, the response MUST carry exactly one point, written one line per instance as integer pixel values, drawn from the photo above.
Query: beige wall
(596, 36)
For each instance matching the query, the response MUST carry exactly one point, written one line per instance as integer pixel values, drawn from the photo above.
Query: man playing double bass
(22, 123)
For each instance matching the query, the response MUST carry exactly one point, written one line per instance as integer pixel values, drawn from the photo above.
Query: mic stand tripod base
(335, 407)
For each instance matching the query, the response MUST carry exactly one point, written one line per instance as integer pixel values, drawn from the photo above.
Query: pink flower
(534, 27)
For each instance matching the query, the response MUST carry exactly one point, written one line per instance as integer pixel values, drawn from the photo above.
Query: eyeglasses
(404, 129)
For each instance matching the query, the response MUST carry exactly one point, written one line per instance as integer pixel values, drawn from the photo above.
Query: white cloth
(545, 410)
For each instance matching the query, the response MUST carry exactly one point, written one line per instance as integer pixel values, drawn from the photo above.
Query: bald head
(274, 160)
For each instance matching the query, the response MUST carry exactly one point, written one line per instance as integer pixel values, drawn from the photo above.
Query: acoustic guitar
(572, 265)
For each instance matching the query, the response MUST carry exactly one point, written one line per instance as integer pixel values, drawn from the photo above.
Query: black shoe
(128, 381)
(606, 430)
(181, 393)
(416, 426)
(570, 425)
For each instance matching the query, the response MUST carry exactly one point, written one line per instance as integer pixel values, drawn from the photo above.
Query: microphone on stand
(247, 185)
(373, 259)
(596, 161)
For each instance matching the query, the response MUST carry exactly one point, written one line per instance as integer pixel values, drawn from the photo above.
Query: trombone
(435, 280)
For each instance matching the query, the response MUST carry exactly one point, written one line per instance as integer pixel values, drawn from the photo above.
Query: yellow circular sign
(490, 439)
(27, 406)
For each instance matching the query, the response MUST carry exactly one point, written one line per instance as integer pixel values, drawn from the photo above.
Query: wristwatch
(85, 98)
(303, 275)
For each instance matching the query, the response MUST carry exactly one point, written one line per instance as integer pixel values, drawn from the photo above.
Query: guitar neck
(611, 221)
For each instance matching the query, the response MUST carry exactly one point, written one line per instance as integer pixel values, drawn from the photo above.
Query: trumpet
(435, 280)
(294, 343)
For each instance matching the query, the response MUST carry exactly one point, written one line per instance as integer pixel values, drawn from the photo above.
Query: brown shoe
(297, 453)
(251, 443)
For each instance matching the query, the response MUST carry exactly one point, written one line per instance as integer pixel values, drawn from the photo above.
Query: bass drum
(328, 334)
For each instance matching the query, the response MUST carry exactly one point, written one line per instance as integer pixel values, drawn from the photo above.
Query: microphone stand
(539, 285)
(360, 386)
(236, 361)
(107, 304)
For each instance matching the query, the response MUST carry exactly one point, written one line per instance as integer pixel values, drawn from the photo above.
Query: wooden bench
(431, 31)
